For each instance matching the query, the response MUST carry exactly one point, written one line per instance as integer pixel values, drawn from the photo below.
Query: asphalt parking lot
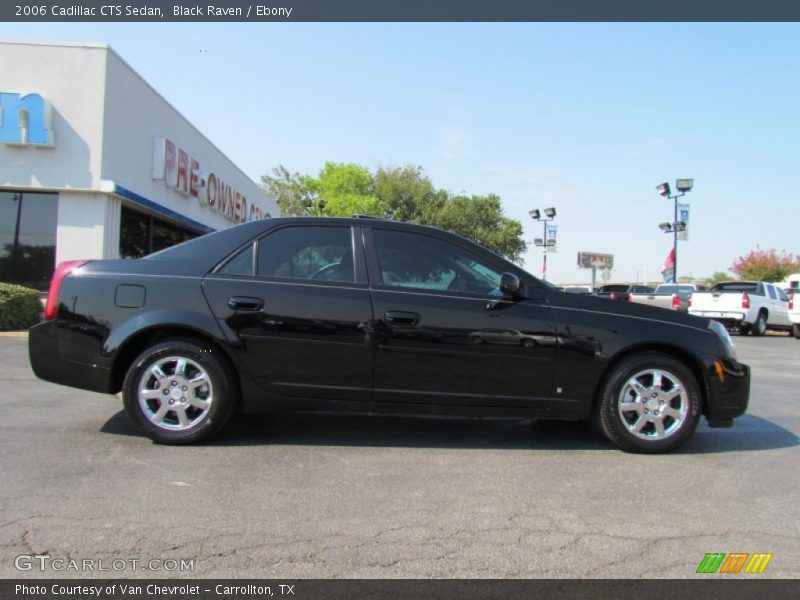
(316, 496)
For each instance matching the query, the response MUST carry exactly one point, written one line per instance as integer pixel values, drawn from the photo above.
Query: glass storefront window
(141, 234)
(134, 234)
(28, 238)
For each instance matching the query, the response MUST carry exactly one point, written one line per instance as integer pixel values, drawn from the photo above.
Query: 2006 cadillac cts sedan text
(374, 316)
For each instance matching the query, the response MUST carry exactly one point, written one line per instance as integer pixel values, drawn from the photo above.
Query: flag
(668, 272)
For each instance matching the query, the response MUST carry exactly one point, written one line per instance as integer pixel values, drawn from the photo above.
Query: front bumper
(48, 364)
(728, 390)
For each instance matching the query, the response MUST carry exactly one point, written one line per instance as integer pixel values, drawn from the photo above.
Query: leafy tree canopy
(766, 265)
(401, 193)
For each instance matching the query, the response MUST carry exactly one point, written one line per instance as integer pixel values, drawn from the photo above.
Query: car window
(782, 295)
(315, 253)
(240, 264)
(771, 292)
(418, 261)
(614, 287)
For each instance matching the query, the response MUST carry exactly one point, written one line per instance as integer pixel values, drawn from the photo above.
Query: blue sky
(584, 117)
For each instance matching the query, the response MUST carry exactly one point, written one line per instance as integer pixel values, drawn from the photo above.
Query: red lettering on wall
(183, 172)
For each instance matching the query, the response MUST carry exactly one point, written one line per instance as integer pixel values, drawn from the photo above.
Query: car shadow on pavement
(749, 433)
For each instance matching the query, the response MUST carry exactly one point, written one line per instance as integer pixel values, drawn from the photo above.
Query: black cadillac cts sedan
(373, 316)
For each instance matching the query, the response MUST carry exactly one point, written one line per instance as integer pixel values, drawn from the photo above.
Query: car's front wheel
(179, 392)
(650, 403)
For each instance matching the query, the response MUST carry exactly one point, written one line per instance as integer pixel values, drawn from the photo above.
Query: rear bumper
(728, 391)
(48, 364)
(723, 316)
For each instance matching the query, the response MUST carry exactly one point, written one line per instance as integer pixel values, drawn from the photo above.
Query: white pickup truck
(752, 306)
(794, 313)
(669, 295)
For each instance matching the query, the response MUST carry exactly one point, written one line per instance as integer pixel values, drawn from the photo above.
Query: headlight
(724, 337)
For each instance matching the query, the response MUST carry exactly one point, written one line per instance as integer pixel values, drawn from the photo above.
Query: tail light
(613, 296)
(628, 298)
(62, 270)
(745, 300)
(791, 303)
(676, 301)
(689, 301)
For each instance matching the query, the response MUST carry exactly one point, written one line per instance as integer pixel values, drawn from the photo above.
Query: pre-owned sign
(183, 173)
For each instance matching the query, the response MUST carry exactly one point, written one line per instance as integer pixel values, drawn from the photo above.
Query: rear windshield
(674, 289)
(613, 288)
(750, 287)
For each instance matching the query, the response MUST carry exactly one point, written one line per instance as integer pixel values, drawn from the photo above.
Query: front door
(445, 335)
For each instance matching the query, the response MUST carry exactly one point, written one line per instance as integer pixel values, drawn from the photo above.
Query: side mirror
(509, 285)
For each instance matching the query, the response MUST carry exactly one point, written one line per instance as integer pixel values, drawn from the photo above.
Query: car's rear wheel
(650, 403)
(796, 331)
(179, 392)
(744, 328)
(760, 326)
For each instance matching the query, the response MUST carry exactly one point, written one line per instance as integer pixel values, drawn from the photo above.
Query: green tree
(290, 190)
(345, 189)
(719, 277)
(481, 219)
(404, 192)
(766, 265)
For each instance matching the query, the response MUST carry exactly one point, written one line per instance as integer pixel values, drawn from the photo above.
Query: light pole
(549, 215)
(684, 186)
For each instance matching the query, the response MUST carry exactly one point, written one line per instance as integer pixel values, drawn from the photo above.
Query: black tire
(220, 394)
(744, 329)
(796, 331)
(759, 328)
(616, 388)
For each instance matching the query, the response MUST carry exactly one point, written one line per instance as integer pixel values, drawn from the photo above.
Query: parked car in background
(374, 316)
(577, 289)
(751, 306)
(621, 291)
(794, 312)
(674, 296)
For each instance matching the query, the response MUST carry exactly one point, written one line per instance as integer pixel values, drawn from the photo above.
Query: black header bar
(401, 10)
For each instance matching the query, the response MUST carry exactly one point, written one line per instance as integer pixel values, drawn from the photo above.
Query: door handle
(245, 303)
(401, 317)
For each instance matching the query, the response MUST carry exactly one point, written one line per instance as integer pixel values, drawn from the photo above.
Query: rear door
(443, 333)
(298, 303)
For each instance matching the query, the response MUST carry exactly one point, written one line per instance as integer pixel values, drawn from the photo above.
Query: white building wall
(72, 79)
(88, 226)
(104, 118)
(134, 115)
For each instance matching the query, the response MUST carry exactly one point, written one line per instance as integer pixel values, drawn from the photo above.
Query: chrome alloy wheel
(653, 404)
(175, 393)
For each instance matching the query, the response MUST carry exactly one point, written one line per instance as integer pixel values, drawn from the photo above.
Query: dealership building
(94, 163)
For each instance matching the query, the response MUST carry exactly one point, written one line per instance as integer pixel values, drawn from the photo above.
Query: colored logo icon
(735, 562)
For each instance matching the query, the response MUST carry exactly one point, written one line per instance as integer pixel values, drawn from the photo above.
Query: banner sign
(683, 215)
(595, 260)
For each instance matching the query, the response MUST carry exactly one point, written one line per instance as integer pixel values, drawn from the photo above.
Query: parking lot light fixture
(683, 186)
(549, 215)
